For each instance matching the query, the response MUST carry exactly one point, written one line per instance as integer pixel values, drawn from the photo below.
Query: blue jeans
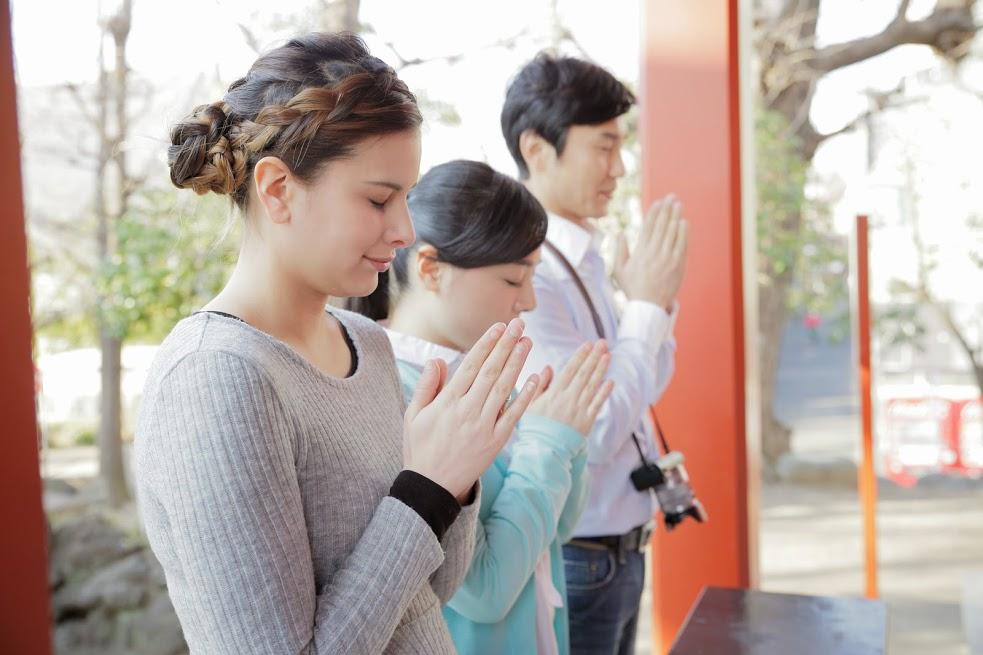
(603, 595)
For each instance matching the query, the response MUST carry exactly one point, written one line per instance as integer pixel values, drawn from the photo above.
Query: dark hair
(473, 216)
(549, 94)
(307, 102)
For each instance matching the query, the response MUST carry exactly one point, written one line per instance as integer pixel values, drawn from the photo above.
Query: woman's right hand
(452, 432)
(579, 391)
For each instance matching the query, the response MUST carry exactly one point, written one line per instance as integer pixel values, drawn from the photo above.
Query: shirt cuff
(647, 322)
(561, 437)
(432, 502)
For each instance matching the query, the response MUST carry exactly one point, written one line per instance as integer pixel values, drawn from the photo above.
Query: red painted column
(25, 626)
(691, 145)
(867, 478)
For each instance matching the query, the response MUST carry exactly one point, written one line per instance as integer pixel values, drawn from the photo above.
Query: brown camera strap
(599, 327)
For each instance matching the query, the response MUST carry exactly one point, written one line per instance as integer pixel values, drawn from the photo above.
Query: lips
(381, 265)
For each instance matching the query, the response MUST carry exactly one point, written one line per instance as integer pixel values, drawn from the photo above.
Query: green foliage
(900, 323)
(794, 231)
(85, 438)
(171, 258)
(781, 177)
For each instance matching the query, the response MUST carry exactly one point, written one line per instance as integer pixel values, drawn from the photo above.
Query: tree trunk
(110, 342)
(791, 67)
(772, 318)
(340, 16)
(110, 428)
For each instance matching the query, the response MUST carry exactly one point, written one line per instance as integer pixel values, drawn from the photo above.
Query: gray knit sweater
(262, 484)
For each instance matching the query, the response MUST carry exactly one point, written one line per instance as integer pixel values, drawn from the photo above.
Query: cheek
(346, 235)
(501, 304)
(479, 303)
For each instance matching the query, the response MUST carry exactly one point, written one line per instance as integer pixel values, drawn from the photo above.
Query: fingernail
(515, 327)
(498, 329)
(522, 348)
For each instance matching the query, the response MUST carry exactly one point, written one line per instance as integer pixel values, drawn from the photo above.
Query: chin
(597, 211)
(357, 286)
(366, 286)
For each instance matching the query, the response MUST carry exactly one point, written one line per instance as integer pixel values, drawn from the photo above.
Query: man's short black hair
(549, 94)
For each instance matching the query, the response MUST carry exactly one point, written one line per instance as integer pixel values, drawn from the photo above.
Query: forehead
(612, 130)
(529, 261)
(392, 158)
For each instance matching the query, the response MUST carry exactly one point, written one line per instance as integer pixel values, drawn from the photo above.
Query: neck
(551, 203)
(411, 317)
(261, 293)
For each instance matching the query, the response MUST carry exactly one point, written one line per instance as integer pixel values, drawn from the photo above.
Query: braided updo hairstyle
(307, 102)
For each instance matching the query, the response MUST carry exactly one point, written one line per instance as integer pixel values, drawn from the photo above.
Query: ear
(273, 182)
(536, 151)
(428, 269)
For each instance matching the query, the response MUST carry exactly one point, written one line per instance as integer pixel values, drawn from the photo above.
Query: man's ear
(273, 181)
(536, 151)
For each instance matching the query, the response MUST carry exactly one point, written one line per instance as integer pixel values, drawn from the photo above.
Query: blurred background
(852, 114)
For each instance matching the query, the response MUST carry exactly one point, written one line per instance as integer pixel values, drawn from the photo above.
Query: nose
(527, 299)
(399, 231)
(617, 164)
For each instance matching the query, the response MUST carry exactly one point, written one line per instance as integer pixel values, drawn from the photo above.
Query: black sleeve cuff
(432, 502)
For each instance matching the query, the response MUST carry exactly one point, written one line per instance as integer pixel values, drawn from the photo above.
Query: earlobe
(428, 268)
(272, 181)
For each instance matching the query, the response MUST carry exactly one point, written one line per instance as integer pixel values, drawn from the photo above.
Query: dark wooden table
(747, 622)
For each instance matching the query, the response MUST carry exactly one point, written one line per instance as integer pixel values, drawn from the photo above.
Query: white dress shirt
(642, 361)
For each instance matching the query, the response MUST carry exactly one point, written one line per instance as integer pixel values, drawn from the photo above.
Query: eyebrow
(611, 136)
(388, 185)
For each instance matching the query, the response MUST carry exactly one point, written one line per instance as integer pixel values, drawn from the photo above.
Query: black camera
(667, 477)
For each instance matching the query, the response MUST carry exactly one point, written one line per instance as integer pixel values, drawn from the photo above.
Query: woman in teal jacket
(479, 235)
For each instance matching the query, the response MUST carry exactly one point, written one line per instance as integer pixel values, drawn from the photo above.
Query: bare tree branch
(903, 10)
(945, 28)
(403, 63)
(942, 310)
(880, 102)
(251, 41)
(81, 104)
(566, 35)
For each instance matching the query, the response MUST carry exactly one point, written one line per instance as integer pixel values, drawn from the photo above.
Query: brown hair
(307, 102)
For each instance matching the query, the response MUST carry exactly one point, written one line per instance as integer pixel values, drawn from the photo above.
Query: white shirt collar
(572, 240)
(417, 351)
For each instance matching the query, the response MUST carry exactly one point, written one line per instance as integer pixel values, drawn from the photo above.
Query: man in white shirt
(561, 123)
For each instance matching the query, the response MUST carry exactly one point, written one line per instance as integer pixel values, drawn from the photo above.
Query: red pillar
(867, 477)
(691, 127)
(25, 626)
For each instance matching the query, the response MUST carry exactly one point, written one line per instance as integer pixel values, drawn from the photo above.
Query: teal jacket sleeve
(579, 489)
(521, 519)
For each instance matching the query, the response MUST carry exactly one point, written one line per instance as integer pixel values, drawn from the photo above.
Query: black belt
(634, 540)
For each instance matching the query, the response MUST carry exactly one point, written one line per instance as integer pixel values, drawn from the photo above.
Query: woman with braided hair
(292, 505)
